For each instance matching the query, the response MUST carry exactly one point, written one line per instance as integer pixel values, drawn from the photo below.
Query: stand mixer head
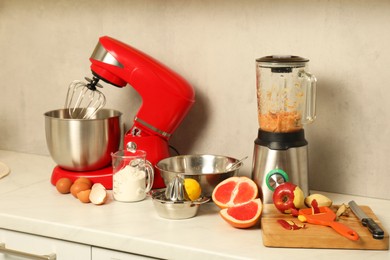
(166, 96)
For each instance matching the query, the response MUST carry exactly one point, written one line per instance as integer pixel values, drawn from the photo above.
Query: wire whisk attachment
(84, 100)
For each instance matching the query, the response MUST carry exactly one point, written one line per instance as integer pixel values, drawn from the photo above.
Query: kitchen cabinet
(105, 254)
(38, 245)
(55, 248)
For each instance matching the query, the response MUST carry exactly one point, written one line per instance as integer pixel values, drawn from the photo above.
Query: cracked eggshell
(98, 195)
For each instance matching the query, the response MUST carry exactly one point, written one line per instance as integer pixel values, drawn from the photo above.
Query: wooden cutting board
(316, 236)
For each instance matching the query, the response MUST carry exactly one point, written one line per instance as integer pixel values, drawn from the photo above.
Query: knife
(376, 231)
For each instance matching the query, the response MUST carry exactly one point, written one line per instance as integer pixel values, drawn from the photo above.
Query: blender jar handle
(311, 95)
(150, 176)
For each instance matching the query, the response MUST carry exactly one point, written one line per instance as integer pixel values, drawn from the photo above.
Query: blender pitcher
(286, 99)
(285, 94)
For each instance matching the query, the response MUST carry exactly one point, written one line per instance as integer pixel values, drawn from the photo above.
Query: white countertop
(30, 204)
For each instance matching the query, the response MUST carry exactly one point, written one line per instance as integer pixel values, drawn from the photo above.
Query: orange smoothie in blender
(280, 122)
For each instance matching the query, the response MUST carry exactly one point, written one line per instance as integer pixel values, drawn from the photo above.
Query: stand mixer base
(103, 176)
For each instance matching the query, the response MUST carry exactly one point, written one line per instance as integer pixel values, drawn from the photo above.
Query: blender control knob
(275, 177)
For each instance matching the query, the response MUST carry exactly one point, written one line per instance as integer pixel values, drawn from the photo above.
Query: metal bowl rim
(116, 114)
(200, 173)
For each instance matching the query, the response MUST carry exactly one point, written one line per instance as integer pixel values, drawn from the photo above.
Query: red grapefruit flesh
(233, 191)
(222, 193)
(245, 192)
(244, 215)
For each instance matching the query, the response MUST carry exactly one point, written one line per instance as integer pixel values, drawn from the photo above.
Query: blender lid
(278, 61)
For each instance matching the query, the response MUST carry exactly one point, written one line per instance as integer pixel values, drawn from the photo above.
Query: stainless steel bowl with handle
(83, 144)
(207, 169)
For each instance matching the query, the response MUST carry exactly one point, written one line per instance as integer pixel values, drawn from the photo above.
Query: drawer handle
(7, 251)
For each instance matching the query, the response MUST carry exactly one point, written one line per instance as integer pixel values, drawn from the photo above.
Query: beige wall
(46, 44)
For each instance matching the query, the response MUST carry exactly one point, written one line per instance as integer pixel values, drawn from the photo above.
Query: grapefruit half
(244, 215)
(234, 191)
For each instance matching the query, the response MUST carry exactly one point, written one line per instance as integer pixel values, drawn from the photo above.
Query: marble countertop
(30, 204)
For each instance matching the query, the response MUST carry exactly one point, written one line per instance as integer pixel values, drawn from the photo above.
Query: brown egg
(84, 180)
(83, 196)
(77, 187)
(63, 185)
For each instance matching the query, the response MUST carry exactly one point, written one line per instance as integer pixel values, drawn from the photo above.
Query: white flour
(129, 184)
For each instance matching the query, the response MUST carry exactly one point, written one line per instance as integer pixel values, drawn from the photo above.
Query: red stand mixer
(166, 99)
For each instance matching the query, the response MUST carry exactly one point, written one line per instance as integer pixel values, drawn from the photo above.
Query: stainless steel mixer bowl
(207, 169)
(83, 144)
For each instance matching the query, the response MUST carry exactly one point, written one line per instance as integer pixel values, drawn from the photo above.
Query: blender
(286, 99)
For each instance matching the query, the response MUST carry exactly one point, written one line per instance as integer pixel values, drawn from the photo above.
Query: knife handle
(373, 227)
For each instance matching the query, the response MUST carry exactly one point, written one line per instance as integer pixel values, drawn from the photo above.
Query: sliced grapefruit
(234, 191)
(244, 215)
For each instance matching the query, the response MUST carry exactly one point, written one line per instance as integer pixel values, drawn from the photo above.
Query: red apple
(288, 197)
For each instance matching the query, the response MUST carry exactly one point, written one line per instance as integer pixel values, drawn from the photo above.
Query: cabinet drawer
(38, 245)
(106, 254)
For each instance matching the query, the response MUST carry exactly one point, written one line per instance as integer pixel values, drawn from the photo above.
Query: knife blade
(373, 227)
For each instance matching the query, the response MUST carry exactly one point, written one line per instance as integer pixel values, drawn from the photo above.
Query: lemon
(192, 188)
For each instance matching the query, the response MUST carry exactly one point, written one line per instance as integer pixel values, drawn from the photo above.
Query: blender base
(278, 158)
(273, 167)
(103, 176)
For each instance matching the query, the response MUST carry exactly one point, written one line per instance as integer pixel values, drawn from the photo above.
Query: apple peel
(289, 224)
(295, 212)
(314, 207)
(342, 211)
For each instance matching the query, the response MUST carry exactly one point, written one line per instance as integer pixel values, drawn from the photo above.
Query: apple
(288, 198)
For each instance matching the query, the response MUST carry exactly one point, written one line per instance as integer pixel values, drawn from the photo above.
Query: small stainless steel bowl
(83, 144)
(207, 169)
(175, 209)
